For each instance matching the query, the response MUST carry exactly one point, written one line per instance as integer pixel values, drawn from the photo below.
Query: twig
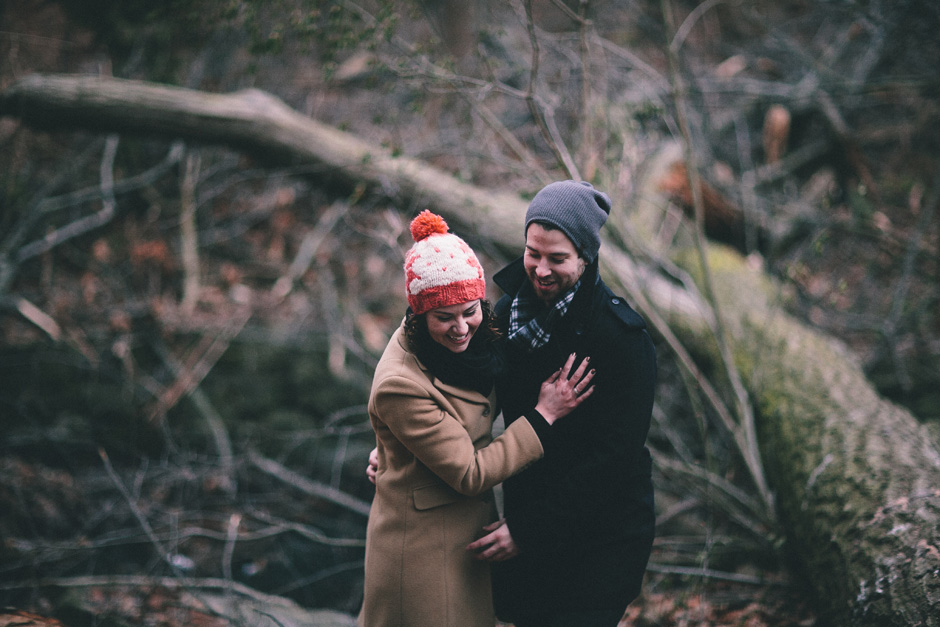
(198, 365)
(223, 444)
(683, 356)
(735, 502)
(88, 223)
(189, 239)
(320, 576)
(506, 136)
(38, 317)
(21, 229)
(686, 27)
(162, 551)
(574, 17)
(706, 573)
(543, 115)
(308, 250)
(48, 552)
(584, 55)
(190, 585)
(748, 182)
(229, 550)
(630, 57)
(748, 435)
(772, 172)
(889, 328)
(308, 486)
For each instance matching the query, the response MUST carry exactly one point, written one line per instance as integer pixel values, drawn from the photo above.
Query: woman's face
(551, 262)
(454, 325)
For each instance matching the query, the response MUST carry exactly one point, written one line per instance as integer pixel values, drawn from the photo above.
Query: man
(579, 524)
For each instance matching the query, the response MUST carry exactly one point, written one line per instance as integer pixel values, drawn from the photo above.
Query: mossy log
(856, 478)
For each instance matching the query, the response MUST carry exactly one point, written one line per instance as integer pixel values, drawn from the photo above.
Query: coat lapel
(450, 390)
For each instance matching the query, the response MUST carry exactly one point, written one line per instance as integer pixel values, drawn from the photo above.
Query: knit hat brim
(446, 295)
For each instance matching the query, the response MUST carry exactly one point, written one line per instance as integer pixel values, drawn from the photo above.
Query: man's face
(551, 262)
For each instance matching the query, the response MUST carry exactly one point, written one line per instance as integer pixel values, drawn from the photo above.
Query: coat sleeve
(439, 440)
(602, 486)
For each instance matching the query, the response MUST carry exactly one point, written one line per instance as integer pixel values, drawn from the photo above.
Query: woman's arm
(441, 442)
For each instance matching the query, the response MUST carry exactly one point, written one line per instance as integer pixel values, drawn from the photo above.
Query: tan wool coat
(438, 463)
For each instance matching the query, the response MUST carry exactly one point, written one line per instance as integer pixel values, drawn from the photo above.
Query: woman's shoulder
(397, 358)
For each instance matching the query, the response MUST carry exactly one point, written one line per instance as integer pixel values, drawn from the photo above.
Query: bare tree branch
(307, 486)
(88, 223)
(542, 114)
(745, 434)
(189, 244)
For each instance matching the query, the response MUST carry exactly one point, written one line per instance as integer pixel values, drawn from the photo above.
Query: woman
(432, 408)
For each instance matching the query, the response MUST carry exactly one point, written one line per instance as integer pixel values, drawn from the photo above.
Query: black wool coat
(583, 515)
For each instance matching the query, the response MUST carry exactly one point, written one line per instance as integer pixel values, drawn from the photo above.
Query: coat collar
(451, 390)
(511, 279)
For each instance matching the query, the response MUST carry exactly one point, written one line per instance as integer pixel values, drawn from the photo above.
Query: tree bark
(857, 478)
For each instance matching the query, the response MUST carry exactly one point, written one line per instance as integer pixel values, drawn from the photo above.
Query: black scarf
(475, 368)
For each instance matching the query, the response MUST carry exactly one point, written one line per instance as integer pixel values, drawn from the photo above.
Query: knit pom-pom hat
(440, 269)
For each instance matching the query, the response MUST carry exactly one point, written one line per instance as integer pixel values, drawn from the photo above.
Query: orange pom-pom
(427, 224)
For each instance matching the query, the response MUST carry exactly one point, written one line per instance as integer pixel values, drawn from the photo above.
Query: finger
(581, 368)
(583, 395)
(494, 525)
(566, 369)
(495, 554)
(586, 380)
(478, 545)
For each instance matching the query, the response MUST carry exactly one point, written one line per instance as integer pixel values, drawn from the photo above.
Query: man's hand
(497, 545)
(373, 465)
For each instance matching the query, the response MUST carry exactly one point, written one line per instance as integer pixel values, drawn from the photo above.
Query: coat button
(615, 300)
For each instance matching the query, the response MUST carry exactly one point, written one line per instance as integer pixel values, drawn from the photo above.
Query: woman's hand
(373, 466)
(564, 390)
(496, 546)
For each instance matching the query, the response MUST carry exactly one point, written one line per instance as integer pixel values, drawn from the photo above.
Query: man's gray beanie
(577, 209)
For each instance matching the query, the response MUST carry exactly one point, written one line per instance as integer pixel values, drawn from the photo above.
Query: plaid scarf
(530, 322)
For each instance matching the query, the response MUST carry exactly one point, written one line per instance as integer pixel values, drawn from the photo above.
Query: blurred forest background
(188, 329)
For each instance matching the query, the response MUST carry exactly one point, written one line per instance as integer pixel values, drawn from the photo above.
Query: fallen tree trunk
(857, 479)
(258, 123)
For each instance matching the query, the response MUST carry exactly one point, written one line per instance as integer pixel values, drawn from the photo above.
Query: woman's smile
(453, 327)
